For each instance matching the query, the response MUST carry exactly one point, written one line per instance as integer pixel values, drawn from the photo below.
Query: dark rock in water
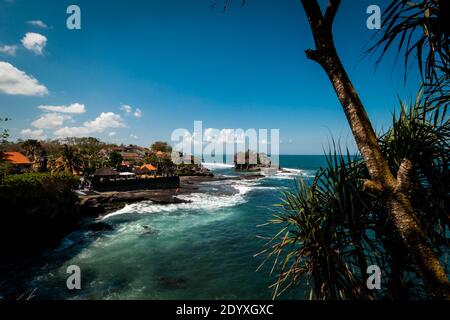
(171, 283)
(169, 200)
(99, 226)
(149, 231)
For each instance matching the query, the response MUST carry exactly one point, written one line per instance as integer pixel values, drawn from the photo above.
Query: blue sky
(173, 62)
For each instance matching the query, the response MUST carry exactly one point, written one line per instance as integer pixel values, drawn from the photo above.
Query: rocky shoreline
(99, 204)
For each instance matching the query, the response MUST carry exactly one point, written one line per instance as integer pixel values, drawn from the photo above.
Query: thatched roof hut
(146, 169)
(105, 172)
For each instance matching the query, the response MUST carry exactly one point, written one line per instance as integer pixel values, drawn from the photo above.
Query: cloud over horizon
(106, 120)
(50, 121)
(33, 134)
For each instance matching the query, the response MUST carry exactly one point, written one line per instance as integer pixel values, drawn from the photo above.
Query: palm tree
(392, 189)
(69, 160)
(422, 31)
(115, 159)
(390, 186)
(32, 149)
(331, 231)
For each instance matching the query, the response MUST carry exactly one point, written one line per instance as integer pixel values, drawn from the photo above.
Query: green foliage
(5, 169)
(420, 31)
(71, 159)
(36, 186)
(153, 160)
(331, 231)
(4, 133)
(115, 159)
(161, 146)
(38, 209)
(32, 149)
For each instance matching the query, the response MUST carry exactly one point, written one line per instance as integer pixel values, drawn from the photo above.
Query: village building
(18, 160)
(130, 156)
(146, 169)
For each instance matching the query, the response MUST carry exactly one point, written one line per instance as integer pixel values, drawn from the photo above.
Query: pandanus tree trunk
(392, 189)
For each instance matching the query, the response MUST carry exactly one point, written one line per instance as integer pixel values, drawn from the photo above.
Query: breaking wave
(290, 174)
(199, 201)
(215, 165)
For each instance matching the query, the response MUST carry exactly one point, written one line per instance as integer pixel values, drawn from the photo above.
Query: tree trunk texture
(394, 189)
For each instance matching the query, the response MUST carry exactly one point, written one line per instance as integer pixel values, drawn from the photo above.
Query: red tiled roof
(16, 158)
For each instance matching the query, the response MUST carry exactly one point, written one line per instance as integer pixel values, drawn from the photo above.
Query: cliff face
(28, 229)
(37, 210)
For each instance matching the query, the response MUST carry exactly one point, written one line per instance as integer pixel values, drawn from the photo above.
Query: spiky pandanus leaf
(332, 230)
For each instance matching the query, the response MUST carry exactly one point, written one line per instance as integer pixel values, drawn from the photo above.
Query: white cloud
(138, 113)
(74, 108)
(8, 50)
(34, 42)
(129, 110)
(104, 121)
(134, 136)
(38, 23)
(71, 132)
(33, 134)
(126, 108)
(16, 82)
(50, 121)
(112, 134)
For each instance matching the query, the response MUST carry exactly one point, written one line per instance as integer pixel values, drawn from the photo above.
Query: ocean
(200, 250)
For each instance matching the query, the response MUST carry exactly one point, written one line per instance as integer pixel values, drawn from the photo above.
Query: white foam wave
(199, 201)
(298, 171)
(217, 165)
(290, 173)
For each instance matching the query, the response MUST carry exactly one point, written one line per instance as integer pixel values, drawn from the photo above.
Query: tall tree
(32, 149)
(393, 190)
(69, 160)
(115, 159)
(161, 146)
(4, 133)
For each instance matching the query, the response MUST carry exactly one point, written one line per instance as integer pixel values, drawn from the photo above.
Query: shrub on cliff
(37, 208)
(30, 189)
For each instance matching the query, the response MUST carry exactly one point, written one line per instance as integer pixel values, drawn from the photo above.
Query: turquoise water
(201, 250)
